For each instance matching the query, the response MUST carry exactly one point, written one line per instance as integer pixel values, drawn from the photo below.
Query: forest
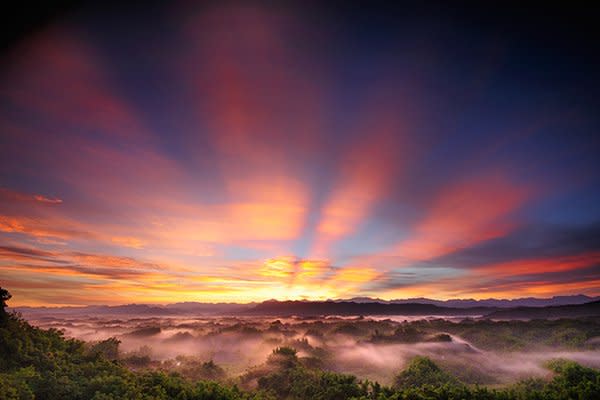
(45, 364)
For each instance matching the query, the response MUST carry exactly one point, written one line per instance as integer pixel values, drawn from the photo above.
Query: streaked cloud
(40, 228)
(45, 199)
(128, 241)
(16, 196)
(365, 176)
(464, 214)
(540, 265)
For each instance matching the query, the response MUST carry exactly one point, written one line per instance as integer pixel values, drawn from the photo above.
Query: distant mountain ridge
(571, 311)
(354, 306)
(491, 302)
(346, 308)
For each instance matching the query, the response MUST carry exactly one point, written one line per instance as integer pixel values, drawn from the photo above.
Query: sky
(245, 151)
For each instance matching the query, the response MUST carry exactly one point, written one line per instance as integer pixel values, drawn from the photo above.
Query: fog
(373, 348)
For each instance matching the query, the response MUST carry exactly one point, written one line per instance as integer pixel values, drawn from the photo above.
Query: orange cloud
(362, 183)
(243, 77)
(279, 267)
(41, 228)
(540, 265)
(296, 271)
(275, 207)
(315, 278)
(475, 287)
(365, 177)
(128, 241)
(519, 278)
(78, 264)
(591, 287)
(462, 215)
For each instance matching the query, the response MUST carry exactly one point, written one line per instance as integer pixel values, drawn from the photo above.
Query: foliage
(4, 297)
(290, 379)
(42, 364)
(422, 371)
(521, 335)
(194, 368)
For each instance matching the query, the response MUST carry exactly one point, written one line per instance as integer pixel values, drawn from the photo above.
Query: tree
(283, 357)
(108, 348)
(422, 371)
(4, 297)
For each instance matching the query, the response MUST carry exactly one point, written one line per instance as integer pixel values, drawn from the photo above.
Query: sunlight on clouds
(42, 227)
(312, 269)
(279, 267)
(364, 178)
(314, 278)
(132, 242)
(267, 220)
(464, 214)
(540, 265)
(297, 271)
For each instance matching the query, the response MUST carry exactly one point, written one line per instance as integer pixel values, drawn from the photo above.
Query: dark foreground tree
(4, 297)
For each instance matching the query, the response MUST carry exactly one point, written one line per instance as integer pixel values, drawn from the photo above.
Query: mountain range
(500, 303)
(558, 306)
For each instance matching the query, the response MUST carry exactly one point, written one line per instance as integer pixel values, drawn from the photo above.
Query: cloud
(43, 67)
(540, 265)
(41, 228)
(68, 262)
(27, 254)
(528, 242)
(128, 241)
(365, 175)
(294, 270)
(44, 199)
(303, 278)
(521, 278)
(464, 214)
(10, 195)
(528, 261)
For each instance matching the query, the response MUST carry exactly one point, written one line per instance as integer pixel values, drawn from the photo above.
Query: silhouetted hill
(500, 303)
(208, 308)
(357, 306)
(568, 311)
(316, 308)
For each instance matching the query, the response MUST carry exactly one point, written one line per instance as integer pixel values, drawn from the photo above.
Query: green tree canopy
(422, 371)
